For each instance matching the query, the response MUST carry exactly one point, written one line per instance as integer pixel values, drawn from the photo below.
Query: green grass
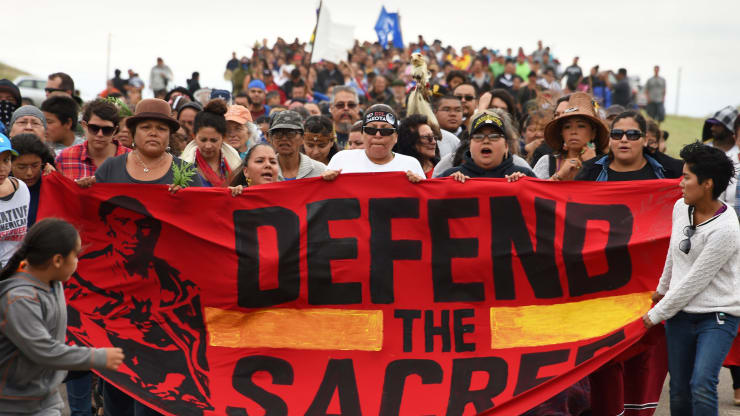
(683, 130)
(8, 72)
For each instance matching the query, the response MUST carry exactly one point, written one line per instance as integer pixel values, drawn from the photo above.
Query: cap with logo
(380, 112)
(222, 94)
(484, 119)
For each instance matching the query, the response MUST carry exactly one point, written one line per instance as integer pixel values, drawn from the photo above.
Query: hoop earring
(249, 182)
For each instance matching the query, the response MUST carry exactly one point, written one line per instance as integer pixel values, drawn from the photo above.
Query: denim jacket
(604, 163)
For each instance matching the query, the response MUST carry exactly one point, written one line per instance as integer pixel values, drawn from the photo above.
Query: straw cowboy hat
(579, 104)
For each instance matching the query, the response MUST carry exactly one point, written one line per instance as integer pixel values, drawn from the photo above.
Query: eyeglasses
(632, 135)
(287, 134)
(385, 131)
(478, 137)
(466, 97)
(51, 90)
(685, 245)
(107, 130)
(339, 105)
(429, 138)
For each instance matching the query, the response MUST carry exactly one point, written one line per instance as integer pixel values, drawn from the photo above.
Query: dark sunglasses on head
(51, 90)
(107, 130)
(632, 135)
(466, 97)
(385, 131)
(340, 105)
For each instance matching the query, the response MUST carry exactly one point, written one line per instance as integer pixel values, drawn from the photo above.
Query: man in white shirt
(159, 78)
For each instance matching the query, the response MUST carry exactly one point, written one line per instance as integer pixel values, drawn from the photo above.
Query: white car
(32, 88)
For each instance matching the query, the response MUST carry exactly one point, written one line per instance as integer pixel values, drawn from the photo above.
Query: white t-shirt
(448, 144)
(356, 161)
(13, 220)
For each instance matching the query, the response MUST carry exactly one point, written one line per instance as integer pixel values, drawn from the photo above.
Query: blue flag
(389, 24)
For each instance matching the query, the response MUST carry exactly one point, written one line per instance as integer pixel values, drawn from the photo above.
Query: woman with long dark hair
(571, 136)
(214, 159)
(628, 157)
(418, 139)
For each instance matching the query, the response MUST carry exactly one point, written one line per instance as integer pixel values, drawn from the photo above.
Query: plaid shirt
(75, 162)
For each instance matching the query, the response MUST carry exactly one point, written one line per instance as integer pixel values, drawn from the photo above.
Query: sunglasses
(107, 130)
(385, 131)
(280, 134)
(340, 105)
(429, 138)
(685, 245)
(51, 90)
(632, 135)
(466, 97)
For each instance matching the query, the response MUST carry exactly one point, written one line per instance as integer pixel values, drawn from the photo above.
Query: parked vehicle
(32, 88)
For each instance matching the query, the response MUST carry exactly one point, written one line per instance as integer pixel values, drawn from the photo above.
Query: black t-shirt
(622, 93)
(636, 175)
(573, 73)
(113, 170)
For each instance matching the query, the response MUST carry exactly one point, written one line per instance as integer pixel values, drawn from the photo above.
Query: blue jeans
(697, 345)
(79, 393)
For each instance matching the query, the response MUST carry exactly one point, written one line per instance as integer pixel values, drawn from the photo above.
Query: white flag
(332, 40)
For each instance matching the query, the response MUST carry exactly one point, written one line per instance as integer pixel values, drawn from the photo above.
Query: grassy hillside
(682, 130)
(8, 72)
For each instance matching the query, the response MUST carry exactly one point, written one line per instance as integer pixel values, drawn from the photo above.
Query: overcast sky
(196, 35)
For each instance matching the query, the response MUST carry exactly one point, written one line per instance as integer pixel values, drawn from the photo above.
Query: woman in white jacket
(699, 292)
(214, 159)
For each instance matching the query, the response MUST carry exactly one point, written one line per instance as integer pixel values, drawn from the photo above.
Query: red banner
(366, 295)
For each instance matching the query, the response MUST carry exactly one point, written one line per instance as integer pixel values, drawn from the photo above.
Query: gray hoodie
(33, 355)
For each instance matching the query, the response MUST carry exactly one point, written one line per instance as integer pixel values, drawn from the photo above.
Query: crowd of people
(492, 114)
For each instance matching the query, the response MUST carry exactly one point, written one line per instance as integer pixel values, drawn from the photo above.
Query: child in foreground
(33, 323)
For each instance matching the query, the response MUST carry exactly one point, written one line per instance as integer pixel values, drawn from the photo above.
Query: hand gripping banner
(367, 295)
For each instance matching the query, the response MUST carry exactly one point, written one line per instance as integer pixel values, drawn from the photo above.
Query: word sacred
(340, 380)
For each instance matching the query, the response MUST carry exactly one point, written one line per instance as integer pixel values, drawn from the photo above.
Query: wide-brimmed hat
(152, 109)
(579, 104)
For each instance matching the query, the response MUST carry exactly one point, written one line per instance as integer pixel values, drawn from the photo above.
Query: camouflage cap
(286, 120)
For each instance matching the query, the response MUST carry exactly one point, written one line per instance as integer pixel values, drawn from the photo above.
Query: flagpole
(313, 41)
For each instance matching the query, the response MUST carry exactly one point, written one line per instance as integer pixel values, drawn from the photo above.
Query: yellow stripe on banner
(537, 325)
(303, 329)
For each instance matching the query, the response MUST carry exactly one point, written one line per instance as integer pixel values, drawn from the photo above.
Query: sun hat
(579, 104)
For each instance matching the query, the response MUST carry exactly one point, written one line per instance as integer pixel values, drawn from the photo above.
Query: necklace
(141, 162)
